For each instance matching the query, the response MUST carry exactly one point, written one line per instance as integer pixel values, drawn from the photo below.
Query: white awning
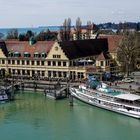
(130, 97)
(36, 53)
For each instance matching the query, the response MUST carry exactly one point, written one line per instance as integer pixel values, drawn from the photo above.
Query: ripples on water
(33, 117)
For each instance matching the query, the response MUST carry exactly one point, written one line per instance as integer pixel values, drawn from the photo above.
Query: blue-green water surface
(33, 117)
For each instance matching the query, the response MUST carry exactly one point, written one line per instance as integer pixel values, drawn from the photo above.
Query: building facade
(51, 59)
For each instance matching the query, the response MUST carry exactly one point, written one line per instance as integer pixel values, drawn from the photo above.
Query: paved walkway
(127, 85)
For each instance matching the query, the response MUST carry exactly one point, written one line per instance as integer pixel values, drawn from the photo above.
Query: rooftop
(130, 97)
(84, 48)
(103, 56)
(113, 41)
(24, 46)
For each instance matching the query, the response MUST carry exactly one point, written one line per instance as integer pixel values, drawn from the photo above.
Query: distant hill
(110, 25)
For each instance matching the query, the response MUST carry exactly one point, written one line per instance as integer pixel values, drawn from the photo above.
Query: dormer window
(43, 55)
(10, 54)
(17, 54)
(27, 54)
(36, 55)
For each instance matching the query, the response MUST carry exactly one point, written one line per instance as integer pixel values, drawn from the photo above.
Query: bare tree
(12, 34)
(78, 28)
(65, 30)
(128, 50)
(89, 29)
(68, 29)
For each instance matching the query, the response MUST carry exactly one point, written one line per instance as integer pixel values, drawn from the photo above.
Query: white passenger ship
(108, 98)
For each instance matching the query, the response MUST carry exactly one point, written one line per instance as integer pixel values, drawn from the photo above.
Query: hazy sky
(32, 13)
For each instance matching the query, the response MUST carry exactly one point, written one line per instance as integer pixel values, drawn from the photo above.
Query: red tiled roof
(24, 46)
(103, 56)
(113, 41)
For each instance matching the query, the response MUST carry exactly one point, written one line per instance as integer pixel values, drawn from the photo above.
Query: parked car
(138, 90)
(128, 80)
(136, 73)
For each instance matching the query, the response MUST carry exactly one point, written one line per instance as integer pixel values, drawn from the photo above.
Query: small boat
(101, 95)
(3, 95)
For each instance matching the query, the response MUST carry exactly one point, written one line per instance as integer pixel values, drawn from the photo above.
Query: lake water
(35, 30)
(33, 117)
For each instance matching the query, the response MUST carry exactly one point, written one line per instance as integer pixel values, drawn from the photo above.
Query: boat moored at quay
(3, 95)
(101, 95)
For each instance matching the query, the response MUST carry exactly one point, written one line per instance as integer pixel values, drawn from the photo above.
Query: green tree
(22, 37)
(29, 34)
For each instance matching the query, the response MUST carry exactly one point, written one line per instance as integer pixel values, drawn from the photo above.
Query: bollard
(22, 86)
(71, 100)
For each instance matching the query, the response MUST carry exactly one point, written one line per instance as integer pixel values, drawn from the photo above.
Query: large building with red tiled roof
(22, 47)
(51, 59)
(22, 58)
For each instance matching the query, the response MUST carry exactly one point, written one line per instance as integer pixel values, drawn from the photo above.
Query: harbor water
(33, 117)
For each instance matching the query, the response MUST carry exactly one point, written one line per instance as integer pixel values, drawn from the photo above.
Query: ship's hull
(88, 101)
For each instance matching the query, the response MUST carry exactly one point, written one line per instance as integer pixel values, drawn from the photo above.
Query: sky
(34, 13)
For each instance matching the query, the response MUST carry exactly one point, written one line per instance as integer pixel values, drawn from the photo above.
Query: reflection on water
(32, 116)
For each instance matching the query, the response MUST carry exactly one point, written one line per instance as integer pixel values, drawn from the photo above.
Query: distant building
(113, 42)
